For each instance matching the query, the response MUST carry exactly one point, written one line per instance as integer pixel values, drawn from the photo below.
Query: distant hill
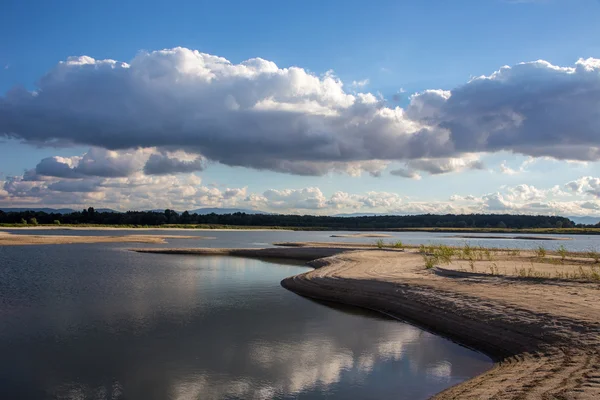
(220, 211)
(216, 210)
(585, 220)
(53, 210)
(46, 210)
(350, 215)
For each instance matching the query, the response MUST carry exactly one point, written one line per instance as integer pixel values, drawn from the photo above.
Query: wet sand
(8, 239)
(544, 334)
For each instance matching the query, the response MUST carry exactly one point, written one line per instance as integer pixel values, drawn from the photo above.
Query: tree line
(153, 218)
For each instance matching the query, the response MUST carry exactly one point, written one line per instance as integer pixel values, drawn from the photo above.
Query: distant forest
(170, 217)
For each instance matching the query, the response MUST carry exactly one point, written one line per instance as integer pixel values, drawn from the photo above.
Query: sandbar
(9, 239)
(363, 235)
(512, 237)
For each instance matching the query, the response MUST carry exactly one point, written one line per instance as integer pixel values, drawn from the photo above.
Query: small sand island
(9, 239)
(536, 313)
(362, 235)
(512, 237)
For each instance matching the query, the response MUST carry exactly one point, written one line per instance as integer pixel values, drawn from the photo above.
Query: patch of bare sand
(8, 239)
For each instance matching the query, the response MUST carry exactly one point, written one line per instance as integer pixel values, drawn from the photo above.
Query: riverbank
(544, 231)
(8, 239)
(544, 334)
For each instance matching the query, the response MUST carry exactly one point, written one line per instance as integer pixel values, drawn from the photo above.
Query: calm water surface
(267, 238)
(99, 322)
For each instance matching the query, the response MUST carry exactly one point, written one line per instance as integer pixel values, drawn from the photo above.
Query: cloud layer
(150, 179)
(258, 115)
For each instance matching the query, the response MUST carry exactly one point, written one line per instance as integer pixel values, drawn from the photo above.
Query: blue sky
(391, 49)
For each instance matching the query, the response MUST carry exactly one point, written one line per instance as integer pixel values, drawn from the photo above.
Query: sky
(313, 107)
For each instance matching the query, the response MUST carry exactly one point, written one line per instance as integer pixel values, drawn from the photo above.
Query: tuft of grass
(594, 254)
(467, 252)
(489, 254)
(531, 273)
(379, 243)
(494, 270)
(514, 252)
(472, 265)
(540, 252)
(562, 252)
(398, 245)
(430, 261)
(444, 253)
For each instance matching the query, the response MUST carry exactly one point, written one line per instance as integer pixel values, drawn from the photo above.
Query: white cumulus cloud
(259, 115)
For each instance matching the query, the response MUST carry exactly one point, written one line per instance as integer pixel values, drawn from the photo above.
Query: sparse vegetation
(594, 254)
(540, 251)
(472, 265)
(467, 252)
(494, 270)
(444, 253)
(379, 243)
(430, 261)
(562, 252)
(398, 245)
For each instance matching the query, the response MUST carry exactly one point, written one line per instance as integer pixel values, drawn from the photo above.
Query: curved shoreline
(544, 337)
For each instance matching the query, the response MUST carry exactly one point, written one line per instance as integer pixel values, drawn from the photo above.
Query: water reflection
(95, 322)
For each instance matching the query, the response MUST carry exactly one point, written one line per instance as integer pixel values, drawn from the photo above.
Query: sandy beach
(543, 334)
(8, 239)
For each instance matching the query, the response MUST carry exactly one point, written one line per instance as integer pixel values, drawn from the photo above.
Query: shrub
(23, 221)
(56, 222)
(379, 243)
(33, 221)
